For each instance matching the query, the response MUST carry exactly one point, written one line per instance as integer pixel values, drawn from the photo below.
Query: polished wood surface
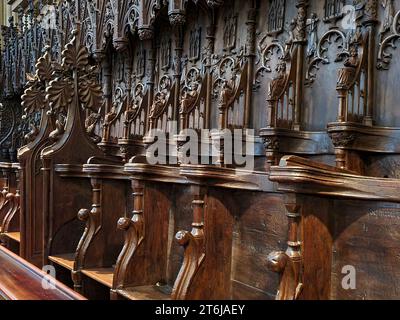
(20, 280)
(88, 106)
(338, 232)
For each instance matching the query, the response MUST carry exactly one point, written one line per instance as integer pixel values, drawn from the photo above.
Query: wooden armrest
(20, 280)
(298, 175)
(295, 161)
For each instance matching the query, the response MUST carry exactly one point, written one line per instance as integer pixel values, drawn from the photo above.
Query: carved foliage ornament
(34, 98)
(75, 76)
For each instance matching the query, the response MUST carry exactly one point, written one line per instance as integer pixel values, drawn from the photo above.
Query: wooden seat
(64, 260)
(145, 293)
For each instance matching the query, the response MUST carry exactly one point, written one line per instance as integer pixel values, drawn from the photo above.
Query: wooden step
(64, 260)
(104, 276)
(146, 293)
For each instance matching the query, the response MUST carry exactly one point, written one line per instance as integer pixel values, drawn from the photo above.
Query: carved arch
(330, 37)
(147, 15)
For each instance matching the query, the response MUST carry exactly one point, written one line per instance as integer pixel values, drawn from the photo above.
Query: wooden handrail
(20, 280)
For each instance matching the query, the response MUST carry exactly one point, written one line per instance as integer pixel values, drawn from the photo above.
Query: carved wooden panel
(312, 78)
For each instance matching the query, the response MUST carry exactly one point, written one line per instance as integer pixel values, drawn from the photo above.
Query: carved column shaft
(178, 69)
(107, 91)
(368, 113)
(198, 210)
(251, 53)
(340, 158)
(271, 105)
(107, 86)
(342, 111)
(210, 38)
(138, 197)
(6, 175)
(151, 80)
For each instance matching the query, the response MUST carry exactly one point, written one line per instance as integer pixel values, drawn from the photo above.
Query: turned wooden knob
(182, 237)
(10, 196)
(276, 261)
(123, 223)
(83, 214)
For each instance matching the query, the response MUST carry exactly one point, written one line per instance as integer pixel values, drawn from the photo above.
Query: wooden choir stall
(202, 149)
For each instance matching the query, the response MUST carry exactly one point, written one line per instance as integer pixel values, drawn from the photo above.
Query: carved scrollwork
(390, 33)
(13, 204)
(193, 243)
(227, 80)
(290, 287)
(274, 51)
(271, 143)
(333, 36)
(134, 229)
(342, 139)
(194, 256)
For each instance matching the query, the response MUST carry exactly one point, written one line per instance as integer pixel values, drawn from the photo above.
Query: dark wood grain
(85, 106)
(20, 280)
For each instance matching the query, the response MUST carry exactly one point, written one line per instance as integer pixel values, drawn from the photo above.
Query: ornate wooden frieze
(211, 62)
